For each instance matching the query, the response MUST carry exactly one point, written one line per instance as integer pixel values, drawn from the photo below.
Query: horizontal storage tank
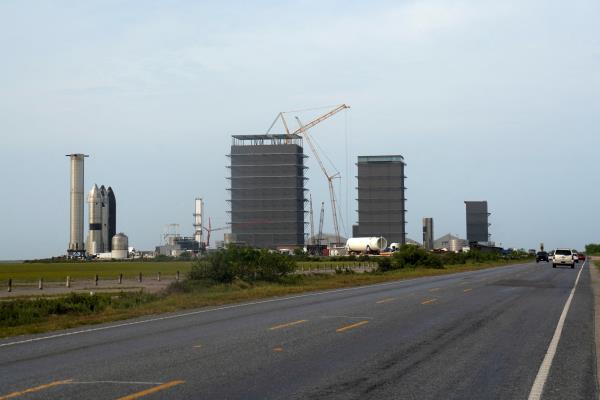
(366, 244)
(120, 246)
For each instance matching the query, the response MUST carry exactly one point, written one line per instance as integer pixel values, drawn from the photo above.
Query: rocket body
(95, 242)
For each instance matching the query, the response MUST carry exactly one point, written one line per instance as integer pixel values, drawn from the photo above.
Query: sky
(486, 100)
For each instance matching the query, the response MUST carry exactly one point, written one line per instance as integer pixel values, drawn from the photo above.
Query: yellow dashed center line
(278, 349)
(386, 300)
(429, 301)
(434, 289)
(35, 389)
(467, 290)
(347, 327)
(288, 324)
(151, 390)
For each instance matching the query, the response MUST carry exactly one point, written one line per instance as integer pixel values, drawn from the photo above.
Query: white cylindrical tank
(395, 246)
(366, 244)
(120, 246)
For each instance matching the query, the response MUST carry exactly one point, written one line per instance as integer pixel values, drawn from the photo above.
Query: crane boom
(322, 118)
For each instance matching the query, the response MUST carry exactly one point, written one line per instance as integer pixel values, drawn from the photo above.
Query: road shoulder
(595, 282)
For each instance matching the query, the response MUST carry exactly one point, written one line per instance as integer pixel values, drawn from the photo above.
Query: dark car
(541, 256)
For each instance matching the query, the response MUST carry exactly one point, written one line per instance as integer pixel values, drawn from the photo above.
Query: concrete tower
(267, 190)
(381, 198)
(76, 245)
(428, 233)
(477, 222)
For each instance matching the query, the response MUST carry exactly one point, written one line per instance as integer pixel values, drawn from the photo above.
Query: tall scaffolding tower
(267, 190)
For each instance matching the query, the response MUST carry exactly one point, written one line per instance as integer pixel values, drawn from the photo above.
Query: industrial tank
(120, 245)
(366, 244)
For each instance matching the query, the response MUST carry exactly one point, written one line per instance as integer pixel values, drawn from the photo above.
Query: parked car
(541, 256)
(563, 257)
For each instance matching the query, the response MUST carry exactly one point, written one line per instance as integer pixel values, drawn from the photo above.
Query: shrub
(592, 249)
(245, 263)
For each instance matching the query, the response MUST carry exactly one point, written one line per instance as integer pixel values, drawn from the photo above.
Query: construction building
(267, 190)
(381, 198)
(450, 242)
(428, 233)
(477, 222)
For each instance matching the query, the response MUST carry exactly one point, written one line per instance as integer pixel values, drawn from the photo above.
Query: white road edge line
(203, 311)
(542, 375)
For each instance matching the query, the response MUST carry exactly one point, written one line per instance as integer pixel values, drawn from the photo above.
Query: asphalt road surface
(474, 335)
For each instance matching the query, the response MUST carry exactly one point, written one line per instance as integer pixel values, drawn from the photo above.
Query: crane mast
(320, 237)
(329, 177)
(312, 222)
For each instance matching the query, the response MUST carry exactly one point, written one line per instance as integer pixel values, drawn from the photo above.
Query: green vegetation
(416, 257)
(25, 311)
(55, 272)
(243, 263)
(592, 249)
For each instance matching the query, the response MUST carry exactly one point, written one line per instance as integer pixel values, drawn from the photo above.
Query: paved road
(475, 335)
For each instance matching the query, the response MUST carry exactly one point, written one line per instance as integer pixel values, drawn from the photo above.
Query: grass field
(193, 294)
(56, 272)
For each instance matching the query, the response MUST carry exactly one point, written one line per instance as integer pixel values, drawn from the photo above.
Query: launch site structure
(76, 247)
(102, 220)
(267, 190)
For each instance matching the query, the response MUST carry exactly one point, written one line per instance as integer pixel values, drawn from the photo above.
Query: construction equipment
(209, 230)
(312, 123)
(320, 237)
(330, 178)
(312, 222)
(303, 131)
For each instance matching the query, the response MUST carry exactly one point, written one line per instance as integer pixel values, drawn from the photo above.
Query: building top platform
(265, 137)
(255, 140)
(393, 158)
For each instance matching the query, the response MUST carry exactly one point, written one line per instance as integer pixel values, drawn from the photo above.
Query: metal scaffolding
(381, 199)
(267, 190)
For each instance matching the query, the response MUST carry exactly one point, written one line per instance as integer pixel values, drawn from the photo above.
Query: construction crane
(303, 131)
(312, 123)
(209, 230)
(312, 222)
(320, 237)
(329, 177)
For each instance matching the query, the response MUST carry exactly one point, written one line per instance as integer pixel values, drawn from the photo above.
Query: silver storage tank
(120, 245)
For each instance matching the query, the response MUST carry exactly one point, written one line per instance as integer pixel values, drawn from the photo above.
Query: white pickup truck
(563, 257)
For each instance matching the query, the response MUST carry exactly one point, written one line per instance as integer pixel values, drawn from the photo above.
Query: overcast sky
(486, 100)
